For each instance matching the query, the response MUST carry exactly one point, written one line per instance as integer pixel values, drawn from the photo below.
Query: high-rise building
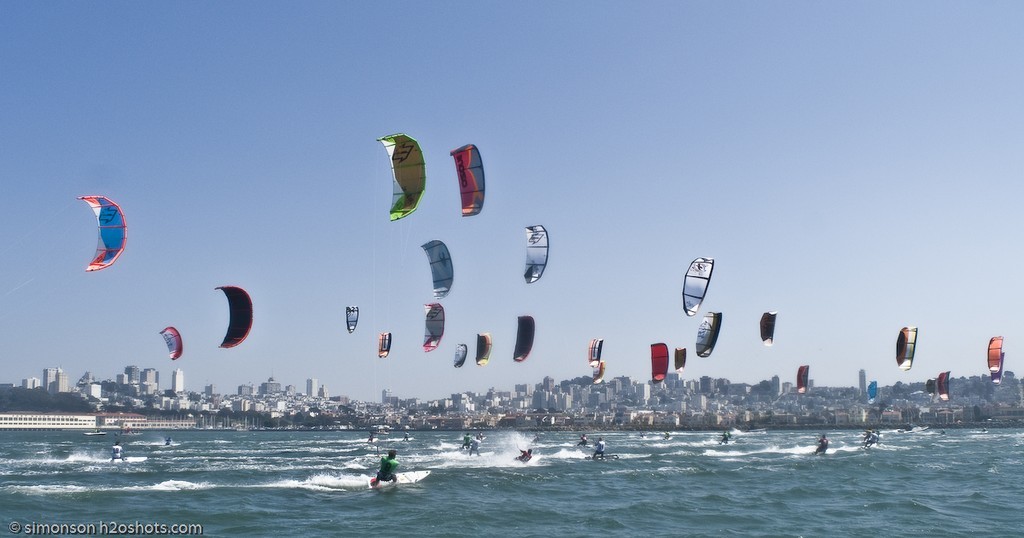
(50, 379)
(55, 380)
(178, 380)
(245, 390)
(323, 393)
(270, 387)
(62, 382)
(863, 382)
(149, 375)
(776, 385)
(312, 384)
(643, 391)
(149, 381)
(133, 374)
(30, 383)
(211, 389)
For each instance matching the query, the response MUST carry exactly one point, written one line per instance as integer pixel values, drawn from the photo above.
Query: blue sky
(855, 166)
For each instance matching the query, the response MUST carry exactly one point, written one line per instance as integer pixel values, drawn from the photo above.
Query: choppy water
(291, 483)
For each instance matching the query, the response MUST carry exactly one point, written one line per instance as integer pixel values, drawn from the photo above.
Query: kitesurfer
(167, 441)
(466, 441)
(870, 438)
(116, 451)
(388, 464)
(371, 439)
(474, 446)
(480, 436)
(525, 455)
(667, 436)
(406, 436)
(726, 436)
(599, 449)
(822, 445)
(583, 440)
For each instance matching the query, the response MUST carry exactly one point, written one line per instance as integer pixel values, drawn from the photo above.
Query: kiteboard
(410, 477)
(130, 459)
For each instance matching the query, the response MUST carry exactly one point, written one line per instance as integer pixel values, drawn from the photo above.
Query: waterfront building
(47, 421)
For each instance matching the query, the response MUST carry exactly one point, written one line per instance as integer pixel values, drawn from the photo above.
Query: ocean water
(298, 483)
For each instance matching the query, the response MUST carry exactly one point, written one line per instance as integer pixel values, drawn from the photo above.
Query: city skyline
(321, 390)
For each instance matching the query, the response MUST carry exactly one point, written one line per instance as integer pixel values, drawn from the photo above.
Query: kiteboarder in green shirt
(386, 473)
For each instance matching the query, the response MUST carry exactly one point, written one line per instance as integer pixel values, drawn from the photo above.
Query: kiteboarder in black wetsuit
(822, 445)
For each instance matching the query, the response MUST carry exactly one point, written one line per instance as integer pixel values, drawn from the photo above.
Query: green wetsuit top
(388, 465)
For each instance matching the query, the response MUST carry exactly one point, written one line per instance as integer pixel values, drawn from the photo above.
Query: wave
(64, 489)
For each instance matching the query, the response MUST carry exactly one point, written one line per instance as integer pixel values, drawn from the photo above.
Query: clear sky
(854, 165)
